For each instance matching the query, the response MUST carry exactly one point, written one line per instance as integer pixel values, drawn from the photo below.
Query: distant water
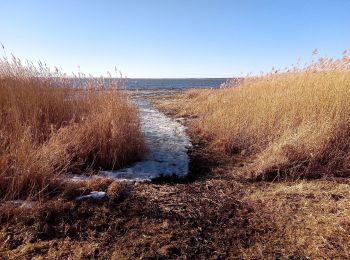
(173, 83)
(132, 84)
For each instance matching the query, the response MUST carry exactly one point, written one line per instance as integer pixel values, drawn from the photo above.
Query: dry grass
(294, 123)
(305, 220)
(48, 128)
(300, 219)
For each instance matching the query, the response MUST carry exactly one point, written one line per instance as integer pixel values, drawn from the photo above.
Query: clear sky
(174, 38)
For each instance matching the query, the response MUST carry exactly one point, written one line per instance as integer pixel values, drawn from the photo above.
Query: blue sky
(174, 38)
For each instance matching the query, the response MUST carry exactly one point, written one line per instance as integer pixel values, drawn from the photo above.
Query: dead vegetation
(287, 134)
(214, 217)
(293, 124)
(49, 127)
(307, 219)
(217, 214)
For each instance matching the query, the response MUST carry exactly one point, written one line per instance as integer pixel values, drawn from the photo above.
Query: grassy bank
(48, 128)
(292, 124)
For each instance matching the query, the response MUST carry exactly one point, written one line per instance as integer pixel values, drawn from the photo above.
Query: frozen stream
(167, 143)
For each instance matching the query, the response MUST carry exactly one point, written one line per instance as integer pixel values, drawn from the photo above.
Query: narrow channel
(167, 142)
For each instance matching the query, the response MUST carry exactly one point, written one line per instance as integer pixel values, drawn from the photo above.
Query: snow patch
(94, 195)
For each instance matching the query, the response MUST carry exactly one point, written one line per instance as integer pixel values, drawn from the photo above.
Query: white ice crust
(167, 142)
(94, 195)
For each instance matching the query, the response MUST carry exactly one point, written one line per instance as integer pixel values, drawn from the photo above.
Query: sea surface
(174, 83)
(143, 84)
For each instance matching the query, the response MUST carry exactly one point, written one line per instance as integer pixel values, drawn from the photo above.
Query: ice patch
(94, 195)
(167, 142)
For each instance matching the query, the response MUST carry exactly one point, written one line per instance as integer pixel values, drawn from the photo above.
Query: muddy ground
(212, 214)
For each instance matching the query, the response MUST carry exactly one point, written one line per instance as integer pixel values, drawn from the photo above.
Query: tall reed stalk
(293, 123)
(51, 126)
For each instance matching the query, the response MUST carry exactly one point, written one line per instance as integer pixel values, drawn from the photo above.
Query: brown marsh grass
(48, 128)
(293, 123)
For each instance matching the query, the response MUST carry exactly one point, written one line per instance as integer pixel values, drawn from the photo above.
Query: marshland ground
(269, 171)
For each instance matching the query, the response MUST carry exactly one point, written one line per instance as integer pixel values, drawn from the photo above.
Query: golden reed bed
(293, 123)
(48, 128)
